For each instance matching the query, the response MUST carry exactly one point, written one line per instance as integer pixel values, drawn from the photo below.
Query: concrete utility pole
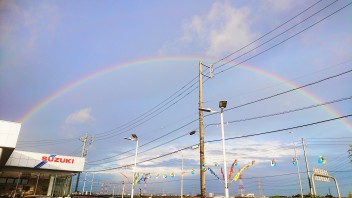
(350, 152)
(305, 157)
(91, 185)
(297, 165)
(182, 177)
(83, 154)
(84, 183)
(201, 129)
(201, 133)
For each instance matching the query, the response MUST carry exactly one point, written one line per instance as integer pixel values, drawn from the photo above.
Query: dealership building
(25, 173)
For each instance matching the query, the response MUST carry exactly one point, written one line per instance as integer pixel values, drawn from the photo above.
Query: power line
(266, 33)
(285, 129)
(252, 102)
(291, 90)
(283, 41)
(110, 132)
(287, 111)
(246, 60)
(231, 138)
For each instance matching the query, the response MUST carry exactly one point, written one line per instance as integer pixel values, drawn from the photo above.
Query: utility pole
(84, 183)
(260, 188)
(123, 188)
(305, 157)
(83, 139)
(201, 128)
(350, 152)
(91, 185)
(182, 177)
(298, 171)
(113, 191)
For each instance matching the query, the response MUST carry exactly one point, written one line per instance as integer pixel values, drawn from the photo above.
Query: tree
(350, 195)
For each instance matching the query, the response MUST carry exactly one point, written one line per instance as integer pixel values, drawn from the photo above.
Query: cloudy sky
(113, 68)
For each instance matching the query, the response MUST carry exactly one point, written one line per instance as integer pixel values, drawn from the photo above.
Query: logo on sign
(53, 159)
(58, 159)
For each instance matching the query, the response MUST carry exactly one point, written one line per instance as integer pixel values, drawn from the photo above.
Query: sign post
(322, 175)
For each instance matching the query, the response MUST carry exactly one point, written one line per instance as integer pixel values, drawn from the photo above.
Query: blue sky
(149, 52)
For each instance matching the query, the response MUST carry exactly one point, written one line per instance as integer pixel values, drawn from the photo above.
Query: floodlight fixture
(207, 110)
(133, 138)
(222, 104)
(195, 146)
(192, 132)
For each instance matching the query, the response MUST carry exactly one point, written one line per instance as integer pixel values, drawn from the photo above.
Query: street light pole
(182, 177)
(298, 172)
(134, 168)
(134, 138)
(307, 168)
(222, 105)
(223, 148)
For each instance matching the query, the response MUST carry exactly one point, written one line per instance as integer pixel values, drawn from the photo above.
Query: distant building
(29, 173)
(249, 195)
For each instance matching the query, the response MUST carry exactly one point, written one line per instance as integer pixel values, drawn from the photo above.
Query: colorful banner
(223, 177)
(135, 180)
(212, 172)
(242, 169)
(232, 169)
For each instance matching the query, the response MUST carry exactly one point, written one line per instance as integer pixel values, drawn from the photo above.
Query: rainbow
(96, 74)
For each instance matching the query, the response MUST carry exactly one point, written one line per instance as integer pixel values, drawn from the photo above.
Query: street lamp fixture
(222, 104)
(133, 138)
(207, 110)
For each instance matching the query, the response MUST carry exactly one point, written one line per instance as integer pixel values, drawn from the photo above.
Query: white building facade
(28, 173)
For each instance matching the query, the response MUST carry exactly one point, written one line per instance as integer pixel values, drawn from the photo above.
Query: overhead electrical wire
(264, 35)
(196, 78)
(226, 139)
(280, 35)
(294, 89)
(287, 111)
(241, 120)
(279, 42)
(231, 108)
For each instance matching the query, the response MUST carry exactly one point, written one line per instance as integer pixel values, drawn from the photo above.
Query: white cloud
(81, 116)
(222, 30)
(280, 6)
(26, 25)
(245, 151)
